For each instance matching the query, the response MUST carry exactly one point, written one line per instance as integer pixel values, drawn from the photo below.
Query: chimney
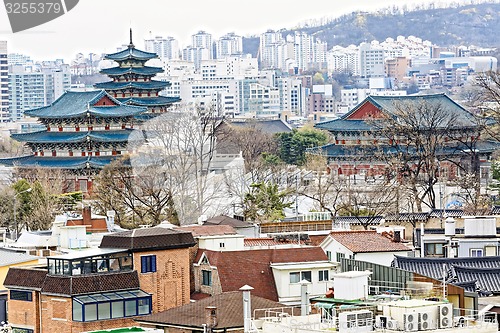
(247, 307)
(87, 215)
(397, 236)
(211, 317)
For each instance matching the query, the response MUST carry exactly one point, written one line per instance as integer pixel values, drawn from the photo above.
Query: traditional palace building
(133, 273)
(359, 141)
(132, 81)
(84, 132)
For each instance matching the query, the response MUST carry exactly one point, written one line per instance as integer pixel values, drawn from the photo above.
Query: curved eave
(77, 137)
(147, 101)
(110, 85)
(68, 163)
(131, 53)
(146, 70)
(99, 111)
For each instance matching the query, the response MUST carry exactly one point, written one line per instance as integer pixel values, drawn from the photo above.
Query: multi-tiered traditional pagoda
(84, 132)
(132, 81)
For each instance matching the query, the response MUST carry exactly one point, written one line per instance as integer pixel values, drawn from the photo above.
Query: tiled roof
(229, 307)
(146, 70)
(229, 311)
(407, 217)
(226, 220)
(38, 279)
(149, 101)
(315, 240)
(487, 279)
(249, 242)
(74, 104)
(433, 267)
(73, 163)
(209, 230)
(366, 241)
(355, 220)
(446, 213)
(112, 85)
(69, 137)
(131, 53)
(148, 239)
(252, 267)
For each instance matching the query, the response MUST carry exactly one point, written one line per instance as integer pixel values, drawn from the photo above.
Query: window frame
(148, 263)
(206, 277)
(28, 295)
(323, 275)
(471, 251)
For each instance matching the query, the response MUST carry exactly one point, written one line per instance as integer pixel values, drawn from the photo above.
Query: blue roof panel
(131, 53)
(73, 104)
(146, 70)
(111, 85)
(149, 101)
(78, 162)
(68, 137)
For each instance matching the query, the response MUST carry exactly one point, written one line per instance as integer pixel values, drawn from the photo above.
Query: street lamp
(15, 215)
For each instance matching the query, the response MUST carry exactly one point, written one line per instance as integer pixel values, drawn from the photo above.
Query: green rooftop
(121, 330)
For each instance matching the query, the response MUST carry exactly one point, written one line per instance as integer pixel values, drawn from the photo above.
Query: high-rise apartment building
(228, 45)
(4, 83)
(166, 48)
(32, 88)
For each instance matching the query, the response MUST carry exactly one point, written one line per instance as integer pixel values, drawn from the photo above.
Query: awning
(323, 305)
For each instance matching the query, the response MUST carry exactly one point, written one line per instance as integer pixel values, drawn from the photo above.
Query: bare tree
(418, 137)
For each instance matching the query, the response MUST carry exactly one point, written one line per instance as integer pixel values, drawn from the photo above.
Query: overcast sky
(100, 26)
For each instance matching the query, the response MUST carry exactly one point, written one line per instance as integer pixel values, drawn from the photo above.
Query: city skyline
(88, 28)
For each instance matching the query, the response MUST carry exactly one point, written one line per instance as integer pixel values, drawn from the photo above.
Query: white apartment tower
(268, 52)
(202, 40)
(371, 60)
(4, 83)
(166, 48)
(228, 45)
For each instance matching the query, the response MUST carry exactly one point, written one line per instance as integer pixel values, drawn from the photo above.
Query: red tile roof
(359, 241)
(268, 242)
(209, 230)
(315, 240)
(252, 267)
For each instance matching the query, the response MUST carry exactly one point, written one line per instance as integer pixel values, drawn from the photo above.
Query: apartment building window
(21, 295)
(148, 264)
(434, 249)
(476, 253)
(206, 278)
(323, 275)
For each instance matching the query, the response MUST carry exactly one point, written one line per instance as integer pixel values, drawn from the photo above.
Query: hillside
(476, 24)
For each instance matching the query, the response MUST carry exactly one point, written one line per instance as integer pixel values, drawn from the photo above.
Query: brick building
(132, 273)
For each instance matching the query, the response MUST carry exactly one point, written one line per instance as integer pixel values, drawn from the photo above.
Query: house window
(21, 295)
(206, 277)
(294, 277)
(222, 245)
(340, 256)
(476, 252)
(434, 249)
(329, 255)
(148, 264)
(323, 275)
(306, 276)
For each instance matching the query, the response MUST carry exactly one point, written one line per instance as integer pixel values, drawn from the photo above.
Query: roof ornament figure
(131, 45)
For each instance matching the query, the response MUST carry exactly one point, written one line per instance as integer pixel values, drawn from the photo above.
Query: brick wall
(24, 313)
(215, 288)
(170, 283)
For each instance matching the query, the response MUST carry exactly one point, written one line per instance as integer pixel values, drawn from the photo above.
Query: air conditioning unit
(381, 321)
(392, 324)
(445, 318)
(410, 322)
(365, 319)
(347, 322)
(426, 321)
